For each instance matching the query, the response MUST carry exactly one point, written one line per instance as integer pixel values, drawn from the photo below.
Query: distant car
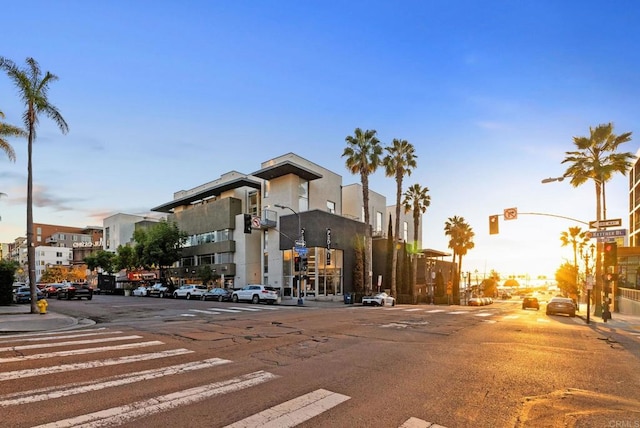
(140, 291)
(51, 290)
(219, 294)
(190, 290)
(255, 293)
(75, 291)
(23, 294)
(476, 301)
(530, 302)
(380, 299)
(561, 305)
(158, 290)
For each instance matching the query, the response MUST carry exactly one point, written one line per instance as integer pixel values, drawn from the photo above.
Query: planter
(127, 292)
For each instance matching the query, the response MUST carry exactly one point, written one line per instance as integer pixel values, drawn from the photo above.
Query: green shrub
(7, 276)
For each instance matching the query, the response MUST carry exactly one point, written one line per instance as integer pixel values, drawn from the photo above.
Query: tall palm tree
(576, 238)
(416, 200)
(7, 130)
(460, 241)
(597, 159)
(33, 87)
(363, 156)
(399, 161)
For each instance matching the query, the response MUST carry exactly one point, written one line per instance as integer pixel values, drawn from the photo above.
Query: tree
(7, 130)
(399, 161)
(33, 88)
(461, 241)
(106, 260)
(159, 245)
(566, 278)
(363, 156)
(126, 258)
(597, 159)
(577, 238)
(205, 274)
(416, 200)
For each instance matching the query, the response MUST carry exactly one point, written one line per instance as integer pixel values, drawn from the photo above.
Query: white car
(140, 291)
(255, 293)
(189, 291)
(380, 299)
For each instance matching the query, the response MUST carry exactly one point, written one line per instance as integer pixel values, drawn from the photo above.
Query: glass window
(378, 226)
(303, 195)
(405, 231)
(331, 207)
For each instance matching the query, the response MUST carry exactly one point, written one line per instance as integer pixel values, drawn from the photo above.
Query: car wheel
(220, 299)
(255, 299)
(234, 298)
(175, 295)
(188, 296)
(161, 295)
(381, 302)
(90, 297)
(393, 303)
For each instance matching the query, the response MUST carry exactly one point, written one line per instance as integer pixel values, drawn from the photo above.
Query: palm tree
(461, 241)
(363, 156)
(7, 130)
(577, 238)
(33, 88)
(596, 159)
(416, 200)
(399, 161)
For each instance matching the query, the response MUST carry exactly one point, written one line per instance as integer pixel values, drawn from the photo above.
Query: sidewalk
(623, 321)
(18, 319)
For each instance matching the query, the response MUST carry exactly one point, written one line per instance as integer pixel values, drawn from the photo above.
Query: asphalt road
(160, 362)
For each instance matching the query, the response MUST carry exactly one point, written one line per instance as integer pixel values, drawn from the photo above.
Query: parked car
(158, 290)
(530, 302)
(219, 294)
(51, 290)
(255, 293)
(561, 305)
(190, 290)
(476, 301)
(23, 294)
(380, 299)
(140, 291)
(75, 291)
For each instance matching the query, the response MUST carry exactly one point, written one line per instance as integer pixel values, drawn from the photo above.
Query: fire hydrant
(42, 305)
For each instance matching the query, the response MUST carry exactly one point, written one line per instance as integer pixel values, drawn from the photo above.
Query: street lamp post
(302, 244)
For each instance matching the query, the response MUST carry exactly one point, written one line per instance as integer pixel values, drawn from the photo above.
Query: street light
(302, 244)
(552, 179)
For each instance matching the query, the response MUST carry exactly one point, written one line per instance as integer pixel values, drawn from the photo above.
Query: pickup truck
(159, 290)
(75, 291)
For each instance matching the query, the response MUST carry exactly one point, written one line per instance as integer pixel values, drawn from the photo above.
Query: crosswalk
(19, 353)
(216, 310)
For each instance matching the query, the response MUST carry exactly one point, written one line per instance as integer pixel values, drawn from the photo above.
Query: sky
(162, 96)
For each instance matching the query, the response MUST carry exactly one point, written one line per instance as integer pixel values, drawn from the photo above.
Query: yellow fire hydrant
(42, 305)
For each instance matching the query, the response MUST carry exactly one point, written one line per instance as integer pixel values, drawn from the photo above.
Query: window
(107, 237)
(378, 226)
(253, 204)
(303, 196)
(331, 207)
(405, 231)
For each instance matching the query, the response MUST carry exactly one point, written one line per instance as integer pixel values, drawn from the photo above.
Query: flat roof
(216, 190)
(428, 252)
(284, 168)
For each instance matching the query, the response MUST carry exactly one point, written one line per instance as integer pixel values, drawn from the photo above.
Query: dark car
(51, 290)
(23, 294)
(530, 302)
(561, 305)
(75, 291)
(219, 294)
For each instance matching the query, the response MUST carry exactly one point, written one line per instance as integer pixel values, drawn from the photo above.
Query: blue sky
(162, 96)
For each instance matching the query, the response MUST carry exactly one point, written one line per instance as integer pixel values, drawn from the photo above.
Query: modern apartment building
(118, 229)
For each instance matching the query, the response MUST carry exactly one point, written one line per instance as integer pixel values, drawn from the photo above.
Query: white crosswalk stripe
(286, 414)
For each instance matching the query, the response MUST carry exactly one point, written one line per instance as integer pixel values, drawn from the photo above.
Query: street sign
(614, 222)
(510, 213)
(302, 250)
(301, 243)
(608, 233)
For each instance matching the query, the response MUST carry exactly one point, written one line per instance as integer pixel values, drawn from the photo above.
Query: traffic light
(493, 225)
(247, 223)
(610, 254)
(305, 264)
(296, 264)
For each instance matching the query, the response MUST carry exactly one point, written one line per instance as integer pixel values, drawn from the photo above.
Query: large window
(207, 237)
(303, 195)
(405, 231)
(331, 207)
(378, 226)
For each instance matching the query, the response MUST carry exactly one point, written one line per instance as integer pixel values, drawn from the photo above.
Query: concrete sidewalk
(18, 319)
